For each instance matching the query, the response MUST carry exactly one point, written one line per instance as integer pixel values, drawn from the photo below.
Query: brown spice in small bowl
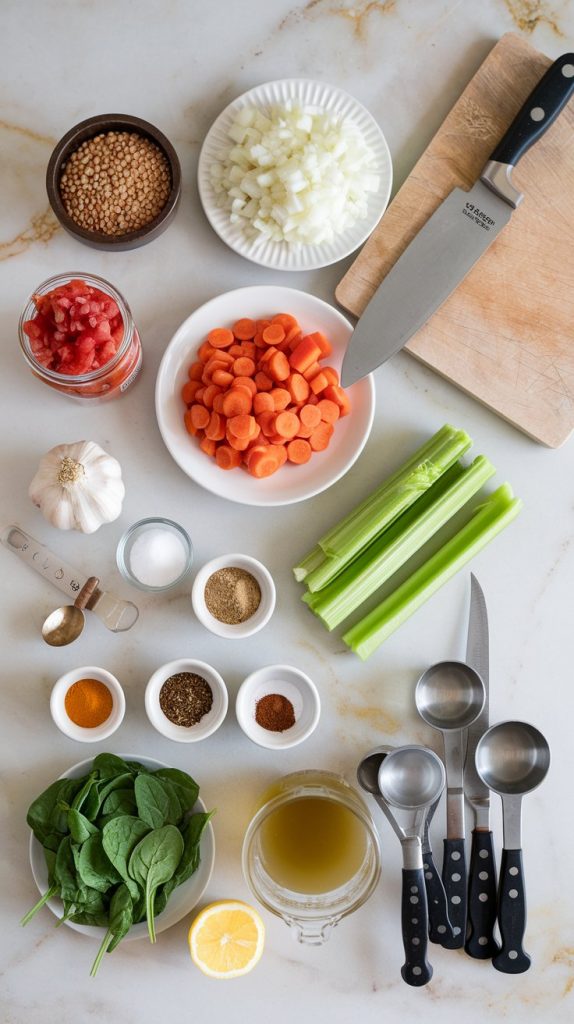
(232, 595)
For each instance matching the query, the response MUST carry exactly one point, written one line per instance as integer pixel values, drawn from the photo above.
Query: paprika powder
(275, 712)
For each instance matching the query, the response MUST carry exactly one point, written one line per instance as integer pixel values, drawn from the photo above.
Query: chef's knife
(455, 237)
(480, 942)
(116, 614)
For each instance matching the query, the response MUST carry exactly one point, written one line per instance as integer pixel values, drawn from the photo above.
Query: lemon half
(226, 939)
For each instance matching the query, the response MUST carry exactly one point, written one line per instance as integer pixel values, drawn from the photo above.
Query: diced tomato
(76, 329)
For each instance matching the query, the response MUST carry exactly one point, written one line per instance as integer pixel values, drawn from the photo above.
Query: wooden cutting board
(506, 335)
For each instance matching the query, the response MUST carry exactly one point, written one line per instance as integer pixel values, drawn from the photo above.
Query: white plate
(285, 255)
(182, 900)
(290, 483)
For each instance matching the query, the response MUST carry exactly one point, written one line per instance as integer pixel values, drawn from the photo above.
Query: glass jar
(108, 381)
(311, 885)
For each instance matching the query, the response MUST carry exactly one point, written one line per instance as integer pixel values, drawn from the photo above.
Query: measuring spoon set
(510, 759)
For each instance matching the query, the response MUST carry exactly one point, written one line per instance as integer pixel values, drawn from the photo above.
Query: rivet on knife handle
(416, 969)
(540, 110)
(481, 943)
(440, 928)
(455, 885)
(511, 915)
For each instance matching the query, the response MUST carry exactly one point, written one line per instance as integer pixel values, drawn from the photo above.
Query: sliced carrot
(220, 337)
(319, 383)
(286, 424)
(218, 401)
(191, 429)
(235, 350)
(323, 343)
(215, 429)
(239, 444)
(306, 353)
(226, 457)
(209, 395)
(195, 371)
(208, 446)
(206, 351)
(299, 451)
(263, 382)
(222, 378)
(330, 411)
(199, 416)
(287, 321)
(266, 421)
(331, 374)
(263, 402)
(321, 436)
(241, 426)
(281, 398)
(312, 371)
(274, 334)
(278, 367)
(189, 390)
(258, 341)
(298, 387)
(249, 349)
(199, 394)
(266, 356)
(245, 382)
(237, 402)
(244, 329)
(336, 394)
(293, 338)
(244, 367)
(310, 416)
(263, 463)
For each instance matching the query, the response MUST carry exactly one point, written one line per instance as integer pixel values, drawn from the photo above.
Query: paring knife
(482, 899)
(116, 614)
(455, 237)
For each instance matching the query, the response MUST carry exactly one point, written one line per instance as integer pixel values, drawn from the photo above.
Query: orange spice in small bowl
(87, 704)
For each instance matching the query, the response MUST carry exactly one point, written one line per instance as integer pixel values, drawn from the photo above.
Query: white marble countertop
(177, 64)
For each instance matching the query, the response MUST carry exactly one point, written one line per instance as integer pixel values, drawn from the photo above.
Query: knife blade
(482, 906)
(455, 237)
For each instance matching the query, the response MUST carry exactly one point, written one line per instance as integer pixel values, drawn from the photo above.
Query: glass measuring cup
(311, 852)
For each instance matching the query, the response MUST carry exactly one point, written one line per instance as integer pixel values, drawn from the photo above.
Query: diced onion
(294, 174)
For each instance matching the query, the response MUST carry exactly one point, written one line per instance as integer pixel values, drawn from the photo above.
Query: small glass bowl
(60, 715)
(126, 542)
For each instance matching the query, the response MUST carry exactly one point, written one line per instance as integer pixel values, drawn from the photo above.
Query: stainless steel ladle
(512, 759)
(449, 696)
(65, 624)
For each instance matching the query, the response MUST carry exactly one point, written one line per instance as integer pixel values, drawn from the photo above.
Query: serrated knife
(455, 237)
(482, 900)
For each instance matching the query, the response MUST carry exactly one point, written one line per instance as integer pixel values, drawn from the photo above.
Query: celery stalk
(397, 544)
(487, 521)
(383, 511)
(331, 541)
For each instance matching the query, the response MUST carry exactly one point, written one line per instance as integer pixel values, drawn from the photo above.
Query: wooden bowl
(87, 130)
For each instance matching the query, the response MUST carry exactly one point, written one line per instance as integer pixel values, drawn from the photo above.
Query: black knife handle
(454, 880)
(480, 942)
(511, 915)
(440, 928)
(540, 111)
(414, 916)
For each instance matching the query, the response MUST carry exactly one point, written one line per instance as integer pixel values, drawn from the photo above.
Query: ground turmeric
(88, 703)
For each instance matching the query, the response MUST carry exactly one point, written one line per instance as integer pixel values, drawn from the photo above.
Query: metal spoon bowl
(411, 777)
(65, 624)
(512, 758)
(449, 695)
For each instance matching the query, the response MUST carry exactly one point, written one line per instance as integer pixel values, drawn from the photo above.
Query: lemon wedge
(226, 939)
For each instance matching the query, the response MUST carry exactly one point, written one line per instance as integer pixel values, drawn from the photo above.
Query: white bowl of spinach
(121, 848)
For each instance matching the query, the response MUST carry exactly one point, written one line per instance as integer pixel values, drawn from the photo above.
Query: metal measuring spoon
(412, 778)
(65, 624)
(512, 759)
(449, 696)
(440, 928)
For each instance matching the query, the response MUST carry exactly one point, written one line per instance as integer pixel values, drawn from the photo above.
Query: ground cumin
(232, 595)
(88, 703)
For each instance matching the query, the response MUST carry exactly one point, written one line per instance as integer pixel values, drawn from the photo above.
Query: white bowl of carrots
(248, 399)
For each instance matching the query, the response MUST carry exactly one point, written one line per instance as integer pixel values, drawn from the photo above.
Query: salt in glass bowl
(60, 715)
(289, 682)
(206, 725)
(255, 622)
(128, 539)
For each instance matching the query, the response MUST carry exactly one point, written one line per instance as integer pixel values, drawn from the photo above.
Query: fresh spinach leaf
(48, 814)
(120, 801)
(189, 863)
(110, 765)
(80, 827)
(153, 862)
(83, 792)
(65, 873)
(119, 838)
(153, 803)
(94, 866)
(120, 922)
(186, 788)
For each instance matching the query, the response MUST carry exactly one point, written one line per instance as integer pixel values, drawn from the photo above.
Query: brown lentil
(275, 712)
(115, 182)
(185, 698)
(232, 595)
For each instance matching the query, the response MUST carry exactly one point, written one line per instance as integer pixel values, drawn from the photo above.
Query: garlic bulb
(78, 487)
